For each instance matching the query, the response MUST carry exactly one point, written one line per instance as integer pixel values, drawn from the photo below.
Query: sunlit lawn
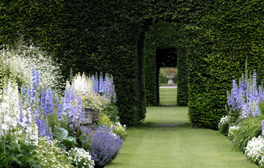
(152, 145)
(168, 96)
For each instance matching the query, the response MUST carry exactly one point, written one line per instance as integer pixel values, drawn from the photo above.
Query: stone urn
(170, 76)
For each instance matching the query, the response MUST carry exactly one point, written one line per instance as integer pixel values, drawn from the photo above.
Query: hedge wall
(227, 34)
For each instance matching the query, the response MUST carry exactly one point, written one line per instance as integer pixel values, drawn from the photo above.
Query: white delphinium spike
(82, 84)
(9, 108)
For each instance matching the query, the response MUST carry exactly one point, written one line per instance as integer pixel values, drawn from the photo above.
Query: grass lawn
(168, 96)
(157, 145)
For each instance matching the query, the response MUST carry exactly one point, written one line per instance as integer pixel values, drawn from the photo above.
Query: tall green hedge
(227, 34)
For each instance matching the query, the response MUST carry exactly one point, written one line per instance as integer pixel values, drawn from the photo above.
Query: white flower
(254, 150)
(223, 120)
(4, 127)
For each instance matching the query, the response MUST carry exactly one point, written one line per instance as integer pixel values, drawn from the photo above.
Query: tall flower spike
(95, 86)
(101, 84)
(60, 109)
(255, 79)
(37, 78)
(43, 101)
(49, 103)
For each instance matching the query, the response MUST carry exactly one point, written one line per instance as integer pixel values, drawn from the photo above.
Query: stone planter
(170, 77)
(91, 117)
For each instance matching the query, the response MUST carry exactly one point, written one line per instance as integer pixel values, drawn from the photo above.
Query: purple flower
(60, 109)
(41, 127)
(43, 100)
(254, 79)
(101, 84)
(37, 78)
(95, 82)
(49, 106)
(104, 145)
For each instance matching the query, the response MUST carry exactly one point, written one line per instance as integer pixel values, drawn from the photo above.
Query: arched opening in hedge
(164, 58)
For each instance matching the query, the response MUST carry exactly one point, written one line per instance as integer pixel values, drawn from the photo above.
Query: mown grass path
(154, 146)
(166, 140)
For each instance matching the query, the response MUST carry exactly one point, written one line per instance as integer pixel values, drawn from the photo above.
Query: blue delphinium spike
(37, 78)
(255, 79)
(43, 101)
(95, 86)
(60, 109)
(49, 103)
(101, 84)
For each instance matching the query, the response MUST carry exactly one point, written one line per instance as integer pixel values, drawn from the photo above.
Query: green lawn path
(168, 96)
(149, 146)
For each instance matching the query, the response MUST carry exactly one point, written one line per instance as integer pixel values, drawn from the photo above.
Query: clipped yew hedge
(229, 34)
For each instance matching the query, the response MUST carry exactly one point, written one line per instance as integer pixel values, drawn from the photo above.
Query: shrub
(104, 146)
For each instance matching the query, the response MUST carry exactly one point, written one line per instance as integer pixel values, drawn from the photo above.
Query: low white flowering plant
(81, 158)
(223, 125)
(232, 131)
(21, 61)
(254, 150)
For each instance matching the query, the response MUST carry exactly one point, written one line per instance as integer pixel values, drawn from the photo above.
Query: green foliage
(16, 153)
(182, 87)
(118, 128)
(67, 142)
(104, 120)
(111, 111)
(249, 128)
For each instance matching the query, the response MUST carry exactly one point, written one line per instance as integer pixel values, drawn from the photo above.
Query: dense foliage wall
(228, 34)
